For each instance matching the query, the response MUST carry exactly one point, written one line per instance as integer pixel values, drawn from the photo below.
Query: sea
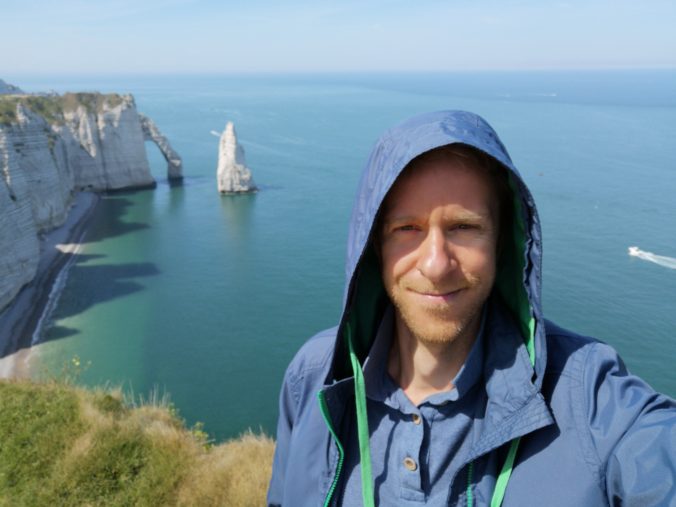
(182, 293)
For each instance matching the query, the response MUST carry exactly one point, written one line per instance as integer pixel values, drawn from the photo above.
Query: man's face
(438, 249)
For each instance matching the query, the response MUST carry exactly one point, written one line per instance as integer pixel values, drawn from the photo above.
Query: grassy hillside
(66, 446)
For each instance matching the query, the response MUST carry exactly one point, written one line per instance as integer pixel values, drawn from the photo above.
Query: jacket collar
(514, 405)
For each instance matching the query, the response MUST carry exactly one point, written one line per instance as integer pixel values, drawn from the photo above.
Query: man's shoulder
(313, 359)
(558, 333)
(566, 348)
(587, 370)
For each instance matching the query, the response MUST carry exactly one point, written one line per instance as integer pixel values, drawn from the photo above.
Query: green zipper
(502, 480)
(324, 409)
(470, 478)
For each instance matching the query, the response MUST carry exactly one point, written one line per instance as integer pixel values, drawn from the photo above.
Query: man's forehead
(439, 181)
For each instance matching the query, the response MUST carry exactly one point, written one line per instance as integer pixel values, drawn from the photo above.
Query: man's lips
(436, 296)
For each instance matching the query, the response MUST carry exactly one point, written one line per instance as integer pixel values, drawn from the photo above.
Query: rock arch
(152, 133)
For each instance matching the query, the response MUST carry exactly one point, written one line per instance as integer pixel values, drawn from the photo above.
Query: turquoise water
(207, 297)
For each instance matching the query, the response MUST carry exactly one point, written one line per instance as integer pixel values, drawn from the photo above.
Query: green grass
(37, 425)
(52, 107)
(8, 109)
(61, 445)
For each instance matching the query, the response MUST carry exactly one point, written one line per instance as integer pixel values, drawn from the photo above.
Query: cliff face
(19, 245)
(37, 172)
(106, 147)
(51, 147)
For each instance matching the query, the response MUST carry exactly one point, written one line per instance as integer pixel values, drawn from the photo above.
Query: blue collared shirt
(415, 450)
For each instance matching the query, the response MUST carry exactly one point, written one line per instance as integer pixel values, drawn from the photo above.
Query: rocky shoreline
(20, 320)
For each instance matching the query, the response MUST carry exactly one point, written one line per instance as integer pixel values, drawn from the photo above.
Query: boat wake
(662, 260)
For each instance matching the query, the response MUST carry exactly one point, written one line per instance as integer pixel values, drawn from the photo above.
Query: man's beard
(438, 323)
(433, 325)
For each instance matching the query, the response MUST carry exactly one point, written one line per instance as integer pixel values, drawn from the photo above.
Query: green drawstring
(362, 424)
(503, 478)
(506, 471)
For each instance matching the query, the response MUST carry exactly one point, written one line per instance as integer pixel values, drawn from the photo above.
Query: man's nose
(436, 258)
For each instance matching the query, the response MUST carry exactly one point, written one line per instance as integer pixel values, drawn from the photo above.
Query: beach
(23, 318)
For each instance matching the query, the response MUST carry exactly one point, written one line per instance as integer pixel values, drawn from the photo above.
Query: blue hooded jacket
(562, 421)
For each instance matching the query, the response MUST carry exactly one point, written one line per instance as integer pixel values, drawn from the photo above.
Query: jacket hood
(519, 265)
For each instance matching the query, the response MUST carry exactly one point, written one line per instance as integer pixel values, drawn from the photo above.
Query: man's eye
(464, 227)
(405, 228)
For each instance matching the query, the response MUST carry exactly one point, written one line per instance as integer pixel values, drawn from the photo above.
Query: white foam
(662, 260)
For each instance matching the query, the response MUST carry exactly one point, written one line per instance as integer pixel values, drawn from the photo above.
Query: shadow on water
(89, 284)
(96, 284)
(58, 332)
(108, 222)
(103, 283)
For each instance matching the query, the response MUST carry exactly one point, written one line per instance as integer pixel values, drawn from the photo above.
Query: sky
(221, 36)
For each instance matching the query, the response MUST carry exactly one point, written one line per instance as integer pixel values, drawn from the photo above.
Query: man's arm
(288, 404)
(633, 430)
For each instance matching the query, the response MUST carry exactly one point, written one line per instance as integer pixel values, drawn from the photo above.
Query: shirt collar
(381, 387)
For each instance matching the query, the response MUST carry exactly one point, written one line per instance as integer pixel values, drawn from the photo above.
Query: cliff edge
(64, 445)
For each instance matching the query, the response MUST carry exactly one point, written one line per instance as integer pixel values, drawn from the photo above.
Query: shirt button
(410, 464)
(416, 418)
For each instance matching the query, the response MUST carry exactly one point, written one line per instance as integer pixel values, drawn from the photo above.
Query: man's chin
(435, 332)
(435, 325)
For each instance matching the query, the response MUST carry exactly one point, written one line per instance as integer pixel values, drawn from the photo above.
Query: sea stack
(234, 177)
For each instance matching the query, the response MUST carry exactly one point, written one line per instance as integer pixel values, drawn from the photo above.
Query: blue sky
(185, 36)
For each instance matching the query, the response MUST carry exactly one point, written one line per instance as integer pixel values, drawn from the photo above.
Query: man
(443, 384)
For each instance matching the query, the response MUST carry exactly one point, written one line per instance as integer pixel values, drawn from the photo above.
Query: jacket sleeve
(633, 429)
(288, 404)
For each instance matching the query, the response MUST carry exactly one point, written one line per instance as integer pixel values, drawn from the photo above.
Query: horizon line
(664, 67)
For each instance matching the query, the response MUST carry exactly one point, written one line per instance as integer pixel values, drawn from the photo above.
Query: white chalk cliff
(19, 244)
(232, 174)
(50, 148)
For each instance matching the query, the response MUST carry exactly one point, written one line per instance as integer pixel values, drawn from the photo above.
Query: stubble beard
(439, 324)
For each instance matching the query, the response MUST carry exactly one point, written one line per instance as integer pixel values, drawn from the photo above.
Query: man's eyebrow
(470, 215)
(398, 218)
(459, 216)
